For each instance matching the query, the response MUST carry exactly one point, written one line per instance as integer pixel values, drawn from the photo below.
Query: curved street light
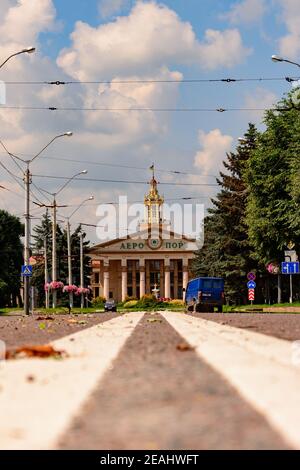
(27, 50)
(27, 181)
(276, 58)
(70, 277)
(83, 172)
(54, 224)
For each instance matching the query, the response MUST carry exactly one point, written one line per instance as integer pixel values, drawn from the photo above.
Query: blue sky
(123, 39)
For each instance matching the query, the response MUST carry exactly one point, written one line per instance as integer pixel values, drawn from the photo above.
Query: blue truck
(203, 294)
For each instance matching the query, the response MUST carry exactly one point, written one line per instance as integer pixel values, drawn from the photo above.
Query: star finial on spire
(152, 168)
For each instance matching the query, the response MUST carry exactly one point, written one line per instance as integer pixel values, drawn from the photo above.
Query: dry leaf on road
(184, 347)
(34, 351)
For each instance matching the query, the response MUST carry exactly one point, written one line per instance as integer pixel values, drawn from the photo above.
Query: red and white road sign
(251, 294)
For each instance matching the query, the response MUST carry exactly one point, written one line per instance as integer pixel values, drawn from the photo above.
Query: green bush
(99, 301)
(130, 304)
(176, 303)
(147, 301)
(128, 298)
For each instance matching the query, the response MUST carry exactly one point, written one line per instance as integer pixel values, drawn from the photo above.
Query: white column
(142, 278)
(167, 279)
(124, 278)
(185, 277)
(106, 279)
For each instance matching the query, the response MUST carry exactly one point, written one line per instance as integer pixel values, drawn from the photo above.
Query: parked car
(204, 293)
(110, 306)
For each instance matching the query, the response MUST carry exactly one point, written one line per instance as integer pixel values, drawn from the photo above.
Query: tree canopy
(11, 258)
(44, 231)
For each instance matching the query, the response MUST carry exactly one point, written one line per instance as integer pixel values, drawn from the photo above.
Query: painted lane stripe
(35, 413)
(264, 378)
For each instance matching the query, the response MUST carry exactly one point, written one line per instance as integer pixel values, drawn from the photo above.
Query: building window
(129, 278)
(155, 265)
(96, 278)
(133, 264)
(154, 278)
(129, 291)
(96, 291)
(129, 265)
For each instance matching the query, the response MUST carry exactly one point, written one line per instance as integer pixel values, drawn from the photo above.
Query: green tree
(11, 258)
(44, 230)
(273, 216)
(226, 251)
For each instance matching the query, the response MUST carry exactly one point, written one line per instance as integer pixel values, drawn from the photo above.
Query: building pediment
(144, 242)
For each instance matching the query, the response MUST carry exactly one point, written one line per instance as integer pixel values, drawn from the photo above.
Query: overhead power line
(188, 198)
(137, 81)
(123, 181)
(117, 165)
(161, 110)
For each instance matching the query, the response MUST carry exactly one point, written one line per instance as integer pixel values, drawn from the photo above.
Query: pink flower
(70, 289)
(55, 285)
(272, 268)
(83, 290)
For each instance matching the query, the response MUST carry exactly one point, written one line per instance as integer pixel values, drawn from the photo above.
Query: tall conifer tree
(226, 251)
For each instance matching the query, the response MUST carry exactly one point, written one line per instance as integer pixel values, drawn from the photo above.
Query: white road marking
(34, 414)
(258, 366)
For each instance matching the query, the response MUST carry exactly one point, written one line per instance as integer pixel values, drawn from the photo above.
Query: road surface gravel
(284, 326)
(35, 329)
(156, 396)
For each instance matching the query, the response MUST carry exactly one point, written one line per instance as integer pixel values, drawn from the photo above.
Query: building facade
(153, 258)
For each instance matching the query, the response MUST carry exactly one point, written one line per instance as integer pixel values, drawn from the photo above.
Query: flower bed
(83, 290)
(54, 285)
(70, 289)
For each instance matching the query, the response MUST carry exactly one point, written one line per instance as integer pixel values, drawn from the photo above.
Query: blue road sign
(26, 271)
(290, 268)
(251, 285)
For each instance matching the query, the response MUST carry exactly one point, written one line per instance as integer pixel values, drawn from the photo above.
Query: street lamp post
(81, 270)
(276, 58)
(54, 207)
(70, 277)
(27, 182)
(46, 271)
(27, 50)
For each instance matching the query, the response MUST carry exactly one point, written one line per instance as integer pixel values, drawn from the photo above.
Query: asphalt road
(144, 387)
(158, 397)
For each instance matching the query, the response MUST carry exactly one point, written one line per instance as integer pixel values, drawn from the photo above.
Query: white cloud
(151, 36)
(289, 45)
(214, 147)
(24, 20)
(260, 98)
(147, 44)
(245, 12)
(109, 8)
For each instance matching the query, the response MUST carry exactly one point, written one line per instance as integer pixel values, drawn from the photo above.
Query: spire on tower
(153, 201)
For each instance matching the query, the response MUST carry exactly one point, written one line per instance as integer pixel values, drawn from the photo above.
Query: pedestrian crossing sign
(26, 270)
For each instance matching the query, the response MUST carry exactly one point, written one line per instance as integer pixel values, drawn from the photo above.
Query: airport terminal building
(153, 258)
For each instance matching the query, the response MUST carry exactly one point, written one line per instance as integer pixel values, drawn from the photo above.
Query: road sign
(251, 294)
(290, 255)
(251, 276)
(290, 268)
(251, 284)
(26, 271)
